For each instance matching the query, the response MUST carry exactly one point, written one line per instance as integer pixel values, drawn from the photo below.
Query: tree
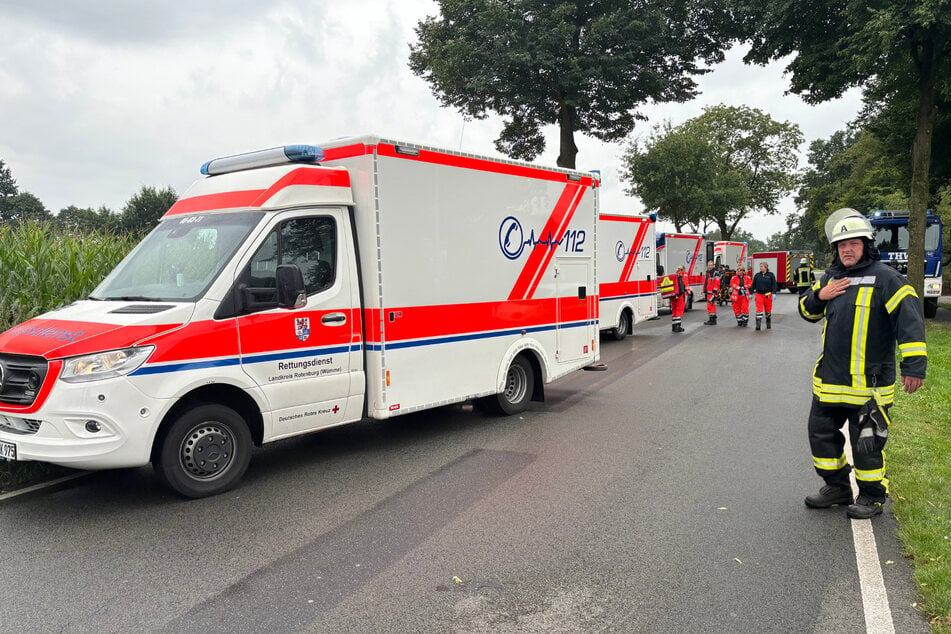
(679, 175)
(8, 186)
(837, 44)
(850, 169)
(582, 65)
(144, 209)
(85, 220)
(23, 207)
(726, 163)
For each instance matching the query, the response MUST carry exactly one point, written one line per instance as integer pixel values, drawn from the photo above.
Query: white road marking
(41, 485)
(878, 614)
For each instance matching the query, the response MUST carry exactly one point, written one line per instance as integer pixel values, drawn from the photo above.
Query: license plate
(8, 451)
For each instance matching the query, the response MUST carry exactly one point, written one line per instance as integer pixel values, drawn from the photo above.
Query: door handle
(334, 319)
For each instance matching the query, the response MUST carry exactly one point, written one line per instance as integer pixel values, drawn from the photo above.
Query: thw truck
(689, 250)
(627, 273)
(891, 238)
(303, 287)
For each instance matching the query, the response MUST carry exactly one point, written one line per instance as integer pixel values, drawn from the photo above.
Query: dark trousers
(827, 443)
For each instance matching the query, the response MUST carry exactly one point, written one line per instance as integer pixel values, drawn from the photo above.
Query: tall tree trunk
(567, 149)
(921, 166)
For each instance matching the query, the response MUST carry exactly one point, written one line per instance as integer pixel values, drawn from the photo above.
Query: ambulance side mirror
(291, 290)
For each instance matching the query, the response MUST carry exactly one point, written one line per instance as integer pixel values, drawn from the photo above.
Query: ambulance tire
(517, 392)
(182, 458)
(623, 328)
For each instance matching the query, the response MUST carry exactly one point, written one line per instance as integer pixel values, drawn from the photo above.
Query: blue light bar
(264, 158)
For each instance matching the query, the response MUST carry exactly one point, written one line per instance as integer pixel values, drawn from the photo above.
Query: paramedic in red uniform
(711, 288)
(764, 285)
(740, 295)
(869, 310)
(679, 300)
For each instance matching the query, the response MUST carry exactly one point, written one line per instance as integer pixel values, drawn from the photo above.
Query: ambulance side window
(310, 243)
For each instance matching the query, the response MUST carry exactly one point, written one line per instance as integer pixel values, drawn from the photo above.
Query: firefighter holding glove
(869, 309)
(764, 285)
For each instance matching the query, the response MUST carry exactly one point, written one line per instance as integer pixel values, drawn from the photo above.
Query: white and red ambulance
(674, 250)
(732, 254)
(627, 273)
(303, 287)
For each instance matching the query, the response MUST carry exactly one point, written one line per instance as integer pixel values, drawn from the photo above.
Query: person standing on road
(869, 308)
(679, 301)
(764, 285)
(805, 278)
(740, 295)
(711, 290)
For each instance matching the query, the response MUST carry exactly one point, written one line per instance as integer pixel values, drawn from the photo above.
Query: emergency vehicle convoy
(303, 287)
(783, 265)
(627, 277)
(673, 250)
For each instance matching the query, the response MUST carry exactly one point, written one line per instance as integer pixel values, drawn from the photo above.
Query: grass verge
(919, 468)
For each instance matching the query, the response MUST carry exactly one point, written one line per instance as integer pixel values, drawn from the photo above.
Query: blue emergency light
(264, 158)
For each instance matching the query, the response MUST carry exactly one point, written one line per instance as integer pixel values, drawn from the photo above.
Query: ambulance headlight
(104, 365)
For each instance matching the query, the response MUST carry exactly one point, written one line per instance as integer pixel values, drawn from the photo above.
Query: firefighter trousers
(741, 308)
(827, 443)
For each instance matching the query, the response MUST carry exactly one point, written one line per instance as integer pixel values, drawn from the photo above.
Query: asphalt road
(663, 495)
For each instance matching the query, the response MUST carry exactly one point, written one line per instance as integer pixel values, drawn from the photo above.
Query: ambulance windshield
(179, 259)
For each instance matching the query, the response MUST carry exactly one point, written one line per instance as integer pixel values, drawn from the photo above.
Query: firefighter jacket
(861, 330)
(764, 283)
(711, 285)
(740, 285)
(804, 276)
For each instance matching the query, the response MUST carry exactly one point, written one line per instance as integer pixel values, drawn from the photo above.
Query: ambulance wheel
(517, 391)
(205, 451)
(623, 328)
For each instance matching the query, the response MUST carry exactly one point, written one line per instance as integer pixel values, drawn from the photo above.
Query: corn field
(42, 268)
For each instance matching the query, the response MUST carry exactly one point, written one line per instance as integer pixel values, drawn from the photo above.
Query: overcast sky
(101, 97)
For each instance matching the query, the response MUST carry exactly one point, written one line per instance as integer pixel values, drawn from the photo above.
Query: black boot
(673, 327)
(830, 495)
(711, 320)
(769, 321)
(680, 328)
(864, 508)
(758, 320)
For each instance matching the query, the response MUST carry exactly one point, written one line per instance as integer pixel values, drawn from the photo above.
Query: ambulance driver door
(301, 357)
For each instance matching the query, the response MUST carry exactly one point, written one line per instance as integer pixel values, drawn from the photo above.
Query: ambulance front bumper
(100, 425)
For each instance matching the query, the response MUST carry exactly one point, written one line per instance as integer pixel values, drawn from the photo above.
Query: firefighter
(869, 308)
(711, 290)
(679, 299)
(804, 276)
(764, 285)
(740, 295)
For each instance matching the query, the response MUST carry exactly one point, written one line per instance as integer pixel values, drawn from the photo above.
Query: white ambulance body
(280, 296)
(676, 249)
(732, 254)
(627, 274)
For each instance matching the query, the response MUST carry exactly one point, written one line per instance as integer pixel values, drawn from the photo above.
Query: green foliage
(715, 168)
(144, 209)
(919, 468)
(584, 66)
(85, 220)
(8, 186)
(893, 50)
(23, 207)
(42, 269)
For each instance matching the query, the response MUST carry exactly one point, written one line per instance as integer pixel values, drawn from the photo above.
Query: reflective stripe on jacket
(860, 334)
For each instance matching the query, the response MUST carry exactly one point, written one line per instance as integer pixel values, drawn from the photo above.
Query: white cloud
(100, 98)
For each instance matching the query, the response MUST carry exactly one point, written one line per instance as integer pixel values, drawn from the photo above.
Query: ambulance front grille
(21, 378)
(24, 426)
